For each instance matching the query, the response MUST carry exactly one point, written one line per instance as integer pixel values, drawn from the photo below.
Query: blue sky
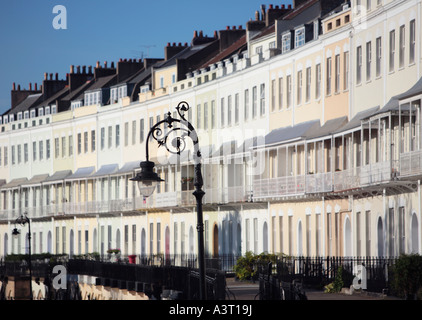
(102, 30)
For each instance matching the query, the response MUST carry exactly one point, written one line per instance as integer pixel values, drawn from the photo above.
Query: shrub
(246, 267)
(407, 271)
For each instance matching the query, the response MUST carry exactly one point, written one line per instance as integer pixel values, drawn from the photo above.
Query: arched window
(6, 244)
(347, 238)
(49, 242)
(415, 233)
(95, 236)
(118, 244)
(265, 237)
(299, 239)
(143, 242)
(380, 237)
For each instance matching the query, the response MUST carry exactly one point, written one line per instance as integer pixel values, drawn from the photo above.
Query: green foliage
(34, 257)
(338, 280)
(246, 267)
(338, 283)
(407, 273)
(88, 256)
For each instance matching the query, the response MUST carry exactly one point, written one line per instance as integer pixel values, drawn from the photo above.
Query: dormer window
(76, 104)
(19, 116)
(40, 112)
(316, 29)
(53, 109)
(145, 88)
(26, 115)
(286, 44)
(299, 37)
(12, 118)
(113, 94)
(32, 113)
(47, 111)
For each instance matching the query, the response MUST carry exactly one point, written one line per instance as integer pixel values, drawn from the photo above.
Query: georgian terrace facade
(318, 173)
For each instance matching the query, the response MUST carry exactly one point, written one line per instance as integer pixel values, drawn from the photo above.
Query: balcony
(346, 180)
(278, 187)
(411, 164)
(166, 199)
(320, 182)
(375, 173)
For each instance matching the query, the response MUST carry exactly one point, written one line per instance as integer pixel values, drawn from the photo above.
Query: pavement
(245, 290)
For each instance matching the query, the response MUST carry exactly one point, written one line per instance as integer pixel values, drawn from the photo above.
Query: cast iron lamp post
(22, 220)
(147, 179)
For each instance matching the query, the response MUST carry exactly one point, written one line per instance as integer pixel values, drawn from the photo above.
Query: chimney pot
(105, 64)
(19, 87)
(201, 34)
(168, 44)
(180, 44)
(36, 86)
(30, 86)
(45, 75)
(228, 28)
(90, 69)
(283, 6)
(195, 34)
(112, 64)
(271, 6)
(290, 6)
(51, 76)
(72, 69)
(174, 44)
(84, 69)
(14, 86)
(234, 28)
(98, 64)
(57, 76)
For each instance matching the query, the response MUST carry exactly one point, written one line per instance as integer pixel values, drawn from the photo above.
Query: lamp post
(22, 220)
(147, 179)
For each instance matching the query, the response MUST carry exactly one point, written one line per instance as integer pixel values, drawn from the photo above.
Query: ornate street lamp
(22, 220)
(175, 142)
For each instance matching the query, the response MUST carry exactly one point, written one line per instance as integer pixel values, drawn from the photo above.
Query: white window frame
(286, 42)
(300, 37)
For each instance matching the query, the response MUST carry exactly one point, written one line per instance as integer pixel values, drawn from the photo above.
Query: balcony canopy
(128, 168)
(15, 183)
(328, 128)
(290, 134)
(36, 180)
(106, 170)
(82, 173)
(57, 177)
(356, 122)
